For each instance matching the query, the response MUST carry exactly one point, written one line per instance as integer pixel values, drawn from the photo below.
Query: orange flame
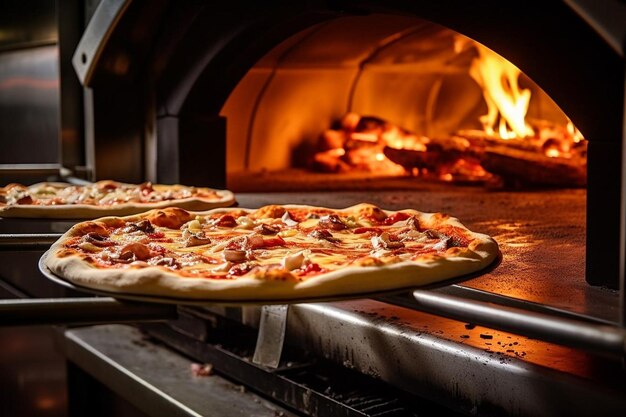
(507, 104)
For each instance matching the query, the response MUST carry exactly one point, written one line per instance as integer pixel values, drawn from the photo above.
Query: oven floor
(541, 235)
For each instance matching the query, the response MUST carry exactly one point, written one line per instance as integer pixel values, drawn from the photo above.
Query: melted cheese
(298, 250)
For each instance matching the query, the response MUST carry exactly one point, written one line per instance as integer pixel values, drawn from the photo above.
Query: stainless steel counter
(156, 380)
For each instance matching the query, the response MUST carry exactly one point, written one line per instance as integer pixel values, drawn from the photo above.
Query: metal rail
(27, 241)
(596, 338)
(83, 311)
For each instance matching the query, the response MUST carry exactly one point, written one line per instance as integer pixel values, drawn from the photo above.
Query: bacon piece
(273, 241)
(226, 221)
(257, 242)
(310, 269)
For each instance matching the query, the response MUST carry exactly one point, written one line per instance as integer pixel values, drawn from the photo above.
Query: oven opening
(384, 101)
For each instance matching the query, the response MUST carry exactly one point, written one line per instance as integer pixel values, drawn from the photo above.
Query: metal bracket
(94, 38)
(269, 344)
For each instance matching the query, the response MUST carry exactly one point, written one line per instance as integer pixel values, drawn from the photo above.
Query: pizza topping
(288, 233)
(240, 269)
(271, 242)
(267, 229)
(225, 267)
(164, 261)
(396, 217)
(228, 244)
(332, 221)
(235, 255)
(245, 222)
(141, 226)
(385, 241)
(194, 239)
(97, 239)
(146, 188)
(324, 234)
(135, 251)
(291, 262)
(25, 199)
(226, 221)
(310, 268)
(286, 218)
(413, 223)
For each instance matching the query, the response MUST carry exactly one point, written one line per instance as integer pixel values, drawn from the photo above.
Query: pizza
(276, 252)
(102, 198)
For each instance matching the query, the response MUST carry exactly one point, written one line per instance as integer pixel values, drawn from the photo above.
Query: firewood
(533, 168)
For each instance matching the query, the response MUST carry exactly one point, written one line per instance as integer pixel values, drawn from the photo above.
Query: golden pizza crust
(156, 281)
(86, 211)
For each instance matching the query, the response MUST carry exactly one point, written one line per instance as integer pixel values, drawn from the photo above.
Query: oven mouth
(408, 104)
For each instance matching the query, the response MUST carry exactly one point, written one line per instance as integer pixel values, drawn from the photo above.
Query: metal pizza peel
(114, 307)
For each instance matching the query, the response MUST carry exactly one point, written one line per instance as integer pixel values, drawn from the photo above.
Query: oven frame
(162, 118)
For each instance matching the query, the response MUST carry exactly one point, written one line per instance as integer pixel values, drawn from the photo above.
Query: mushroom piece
(267, 229)
(97, 239)
(295, 261)
(164, 261)
(194, 239)
(384, 242)
(142, 226)
(323, 234)
(286, 218)
(332, 221)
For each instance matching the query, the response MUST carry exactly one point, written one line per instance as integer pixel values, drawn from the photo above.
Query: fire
(507, 103)
(509, 148)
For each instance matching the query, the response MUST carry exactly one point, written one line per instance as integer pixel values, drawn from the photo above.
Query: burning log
(519, 166)
(554, 156)
(440, 163)
(551, 158)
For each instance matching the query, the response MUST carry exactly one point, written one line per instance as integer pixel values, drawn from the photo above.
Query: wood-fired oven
(270, 99)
